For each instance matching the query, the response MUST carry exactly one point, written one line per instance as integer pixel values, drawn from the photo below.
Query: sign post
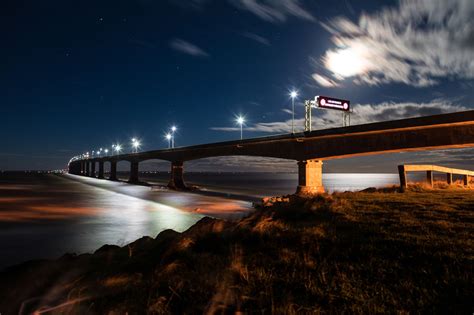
(327, 102)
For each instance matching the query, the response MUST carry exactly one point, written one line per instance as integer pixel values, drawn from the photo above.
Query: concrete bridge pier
(310, 177)
(101, 169)
(465, 180)
(449, 178)
(133, 172)
(88, 171)
(92, 171)
(113, 170)
(176, 176)
(429, 178)
(83, 167)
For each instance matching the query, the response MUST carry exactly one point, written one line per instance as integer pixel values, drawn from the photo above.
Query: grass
(366, 252)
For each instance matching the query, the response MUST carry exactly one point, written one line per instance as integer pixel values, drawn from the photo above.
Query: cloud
(324, 81)
(275, 11)
(187, 48)
(259, 39)
(416, 43)
(362, 113)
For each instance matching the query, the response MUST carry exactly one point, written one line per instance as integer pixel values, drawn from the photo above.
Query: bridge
(308, 149)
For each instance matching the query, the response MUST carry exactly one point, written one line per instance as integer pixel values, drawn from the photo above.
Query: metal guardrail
(429, 169)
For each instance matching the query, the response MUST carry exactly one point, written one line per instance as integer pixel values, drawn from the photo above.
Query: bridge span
(308, 149)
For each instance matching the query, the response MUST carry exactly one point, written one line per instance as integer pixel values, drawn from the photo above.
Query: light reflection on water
(45, 216)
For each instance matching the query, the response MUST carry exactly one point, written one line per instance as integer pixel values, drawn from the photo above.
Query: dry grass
(366, 252)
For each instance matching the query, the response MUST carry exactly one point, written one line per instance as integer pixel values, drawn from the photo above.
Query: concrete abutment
(310, 177)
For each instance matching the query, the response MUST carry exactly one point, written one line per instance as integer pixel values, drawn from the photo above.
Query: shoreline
(234, 249)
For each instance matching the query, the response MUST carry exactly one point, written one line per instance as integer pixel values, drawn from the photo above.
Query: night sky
(79, 75)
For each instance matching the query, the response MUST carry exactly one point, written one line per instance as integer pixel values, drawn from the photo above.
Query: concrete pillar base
(113, 171)
(429, 178)
(310, 177)
(449, 178)
(465, 180)
(101, 170)
(87, 170)
(133, 173)
(92, 170)
(403, 177)
(176, 179)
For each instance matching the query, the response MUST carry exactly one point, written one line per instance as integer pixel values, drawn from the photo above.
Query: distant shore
(363, 252)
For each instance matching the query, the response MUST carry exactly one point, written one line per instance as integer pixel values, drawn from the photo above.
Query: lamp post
(135, 145)
(117, 148)
(240, 120)
(168, 137)
(293, 95)
(173, 130)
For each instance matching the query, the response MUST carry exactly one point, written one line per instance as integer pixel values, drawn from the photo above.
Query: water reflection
(52, 215)
(44, 216)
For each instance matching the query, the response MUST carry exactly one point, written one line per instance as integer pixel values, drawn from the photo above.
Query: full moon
(346, 62)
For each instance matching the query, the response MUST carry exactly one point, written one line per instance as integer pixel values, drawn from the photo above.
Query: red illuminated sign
(334, 103)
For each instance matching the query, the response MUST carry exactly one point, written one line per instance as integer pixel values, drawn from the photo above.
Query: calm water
(45, 215)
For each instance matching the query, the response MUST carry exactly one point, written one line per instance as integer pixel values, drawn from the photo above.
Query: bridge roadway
(309, 149)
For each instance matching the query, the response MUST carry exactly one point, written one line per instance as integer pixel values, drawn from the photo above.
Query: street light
(240, 120)
(173, 130)
(117, 148)
(168, 136)
(135, 145)
(293, 95)
(106, 152)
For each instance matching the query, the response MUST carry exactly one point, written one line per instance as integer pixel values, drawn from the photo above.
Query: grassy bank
(364, 252)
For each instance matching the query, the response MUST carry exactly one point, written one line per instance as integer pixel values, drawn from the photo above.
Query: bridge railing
(430, 169)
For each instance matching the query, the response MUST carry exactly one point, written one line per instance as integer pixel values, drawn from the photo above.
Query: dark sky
(79, 75)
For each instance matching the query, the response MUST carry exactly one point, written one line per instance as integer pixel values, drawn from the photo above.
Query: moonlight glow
(346, 62)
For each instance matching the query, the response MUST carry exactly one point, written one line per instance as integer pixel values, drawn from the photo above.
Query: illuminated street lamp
(168, 137)
(293, 95)
(117, 148)
(135, 145)
(173, 130)
(106, 152)
(241, 121)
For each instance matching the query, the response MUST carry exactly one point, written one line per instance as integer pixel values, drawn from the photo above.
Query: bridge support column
(465, 180)
(101, 169)
(83, 167)
(133, 172)
(429, 178)
(113, 170)
(176, 179)
(449, 178)
(88, 170)
(403, 177)
(92, 171)
(310, 177)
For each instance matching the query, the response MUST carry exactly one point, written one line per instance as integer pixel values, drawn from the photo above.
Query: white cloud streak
(362, 113)
(257, 38)
(324, 81)
(187, 48)
(274, 11)
(415, 43)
